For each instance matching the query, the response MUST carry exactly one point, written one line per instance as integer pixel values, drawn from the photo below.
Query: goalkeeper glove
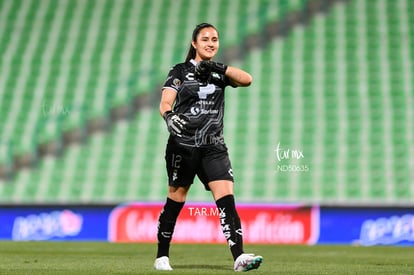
(176, 123)
(205, 67)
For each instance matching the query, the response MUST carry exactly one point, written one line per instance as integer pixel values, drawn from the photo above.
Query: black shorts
(208, 163)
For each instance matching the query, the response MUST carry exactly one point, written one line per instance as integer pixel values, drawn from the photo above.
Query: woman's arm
(238, 77)
(167, 100)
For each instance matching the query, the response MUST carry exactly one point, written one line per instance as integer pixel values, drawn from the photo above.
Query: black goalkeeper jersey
(202, 103)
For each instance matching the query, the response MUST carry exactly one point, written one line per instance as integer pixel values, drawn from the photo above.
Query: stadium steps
(75, 61)
(77, 58)
(339, 90)
(333, 102)
(369, 95)
(341, 97)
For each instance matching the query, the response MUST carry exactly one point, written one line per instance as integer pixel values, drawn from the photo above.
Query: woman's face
(207, 44)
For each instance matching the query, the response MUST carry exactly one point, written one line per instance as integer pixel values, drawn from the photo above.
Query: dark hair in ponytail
(191, 51)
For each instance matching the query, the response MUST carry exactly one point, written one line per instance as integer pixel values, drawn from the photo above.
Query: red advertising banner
(199, 223)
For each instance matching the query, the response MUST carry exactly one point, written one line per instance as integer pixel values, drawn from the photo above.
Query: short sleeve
(174, 79)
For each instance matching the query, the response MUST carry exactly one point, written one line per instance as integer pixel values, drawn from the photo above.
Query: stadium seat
(338, 88)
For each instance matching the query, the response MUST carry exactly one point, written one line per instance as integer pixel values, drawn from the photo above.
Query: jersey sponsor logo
(195, 110)
(230, 172)
(190, 76)
(204, 91)
(208, 112)
(205, 102)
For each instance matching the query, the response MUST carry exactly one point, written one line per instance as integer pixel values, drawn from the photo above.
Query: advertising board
(270, 224)
(41, 223)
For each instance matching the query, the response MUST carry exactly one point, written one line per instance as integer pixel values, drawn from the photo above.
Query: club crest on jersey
(176, 83)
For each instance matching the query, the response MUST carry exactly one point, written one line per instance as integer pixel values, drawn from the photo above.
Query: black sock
(166, 224)
(230, 224)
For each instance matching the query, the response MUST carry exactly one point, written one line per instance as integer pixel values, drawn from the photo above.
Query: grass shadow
(202, 266)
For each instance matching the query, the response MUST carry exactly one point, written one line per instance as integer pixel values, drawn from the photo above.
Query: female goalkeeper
(192, 105)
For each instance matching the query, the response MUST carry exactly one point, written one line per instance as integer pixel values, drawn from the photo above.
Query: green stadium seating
(338, 89)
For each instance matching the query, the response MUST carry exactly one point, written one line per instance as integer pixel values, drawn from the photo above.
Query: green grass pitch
(110, 258)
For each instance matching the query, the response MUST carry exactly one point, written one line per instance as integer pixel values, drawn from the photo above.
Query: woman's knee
(221, 188)
(178, 193)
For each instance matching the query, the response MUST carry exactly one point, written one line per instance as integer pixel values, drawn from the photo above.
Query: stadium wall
(198, 223)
